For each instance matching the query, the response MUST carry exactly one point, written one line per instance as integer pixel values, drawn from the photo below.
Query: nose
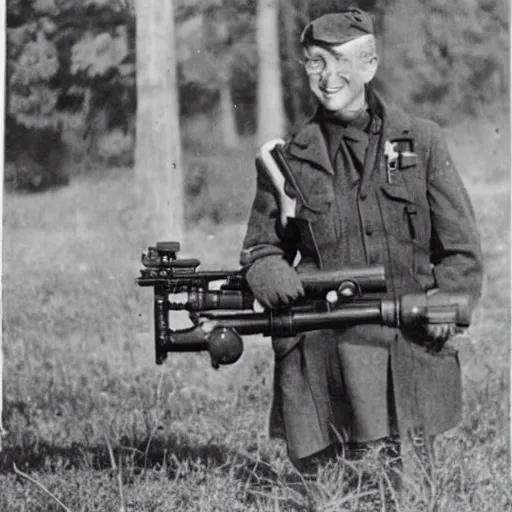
(327, 74)
(332, 70)
(330, 77)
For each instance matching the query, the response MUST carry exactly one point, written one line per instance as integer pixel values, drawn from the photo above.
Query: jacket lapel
(396, 124)
(309, 145)
(388, 122)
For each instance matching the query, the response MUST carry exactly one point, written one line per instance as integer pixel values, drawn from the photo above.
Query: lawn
(94, 421)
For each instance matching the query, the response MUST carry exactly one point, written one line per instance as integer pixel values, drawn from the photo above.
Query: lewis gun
(333, 300)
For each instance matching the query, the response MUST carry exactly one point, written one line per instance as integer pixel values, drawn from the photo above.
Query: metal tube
(289, 322)
(161, 324)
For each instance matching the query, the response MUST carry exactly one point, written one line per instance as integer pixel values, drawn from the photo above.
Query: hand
(439, 334)
(273, 281)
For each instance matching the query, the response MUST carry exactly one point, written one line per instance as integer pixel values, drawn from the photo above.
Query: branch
(41, 486)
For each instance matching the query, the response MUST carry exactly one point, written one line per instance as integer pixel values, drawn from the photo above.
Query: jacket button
(363, 196)
(368, 230)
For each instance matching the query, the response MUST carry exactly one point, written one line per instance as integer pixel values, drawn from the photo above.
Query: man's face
(337, 76)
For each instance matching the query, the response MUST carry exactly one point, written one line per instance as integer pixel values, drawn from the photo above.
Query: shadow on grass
(171, 455)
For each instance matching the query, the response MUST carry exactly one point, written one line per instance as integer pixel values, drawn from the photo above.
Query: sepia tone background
(87, 412)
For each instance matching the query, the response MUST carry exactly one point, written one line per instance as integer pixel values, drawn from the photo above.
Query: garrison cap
(337, 28)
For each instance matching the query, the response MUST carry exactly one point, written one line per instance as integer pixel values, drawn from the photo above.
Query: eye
(314, 65)
(341, 58)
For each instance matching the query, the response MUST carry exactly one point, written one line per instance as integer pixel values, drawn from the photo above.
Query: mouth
(332, 90)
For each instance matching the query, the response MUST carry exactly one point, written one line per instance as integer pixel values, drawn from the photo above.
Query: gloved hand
(439, 334)
(273, 281)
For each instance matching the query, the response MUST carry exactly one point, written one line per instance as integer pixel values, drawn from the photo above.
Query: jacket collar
(394, 122)
(309, 143)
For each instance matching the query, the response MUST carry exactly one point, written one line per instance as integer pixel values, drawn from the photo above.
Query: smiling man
(338, 73)
(377, 186)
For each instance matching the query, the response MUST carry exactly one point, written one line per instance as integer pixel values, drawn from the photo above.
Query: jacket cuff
(251, 254)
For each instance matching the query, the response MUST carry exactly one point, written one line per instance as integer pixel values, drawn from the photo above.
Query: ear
(369, 69)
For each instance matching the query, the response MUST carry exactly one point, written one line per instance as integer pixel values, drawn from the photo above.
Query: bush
(219, 188)
(36, 159)
(116, 147)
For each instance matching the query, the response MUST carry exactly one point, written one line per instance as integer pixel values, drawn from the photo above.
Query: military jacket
(417, 220)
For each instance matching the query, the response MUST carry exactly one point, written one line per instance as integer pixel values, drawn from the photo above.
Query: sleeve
(455, 245)
(264, 236)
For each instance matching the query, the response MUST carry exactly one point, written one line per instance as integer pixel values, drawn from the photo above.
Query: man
(377, 187)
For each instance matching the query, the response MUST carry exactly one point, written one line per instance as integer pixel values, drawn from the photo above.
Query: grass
(86, 408)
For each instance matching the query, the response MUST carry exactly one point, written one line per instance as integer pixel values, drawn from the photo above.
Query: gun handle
(286, 203)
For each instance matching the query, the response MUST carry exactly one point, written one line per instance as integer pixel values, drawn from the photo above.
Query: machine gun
(333, 300)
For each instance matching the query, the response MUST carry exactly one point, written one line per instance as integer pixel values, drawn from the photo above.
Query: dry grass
(87, 410)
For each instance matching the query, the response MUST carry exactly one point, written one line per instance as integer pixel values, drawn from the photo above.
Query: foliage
(473, 50)
(215, 48)
(32, 100)
(206, 180)
(70, 64)
(446, 70)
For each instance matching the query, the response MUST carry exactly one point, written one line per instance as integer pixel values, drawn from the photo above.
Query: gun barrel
(289, 322)
(408, 310)
(203, 300)
(371, 279)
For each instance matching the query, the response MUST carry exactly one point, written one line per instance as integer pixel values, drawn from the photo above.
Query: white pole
(3, 61)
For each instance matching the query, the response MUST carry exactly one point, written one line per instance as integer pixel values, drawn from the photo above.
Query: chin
(334, 105)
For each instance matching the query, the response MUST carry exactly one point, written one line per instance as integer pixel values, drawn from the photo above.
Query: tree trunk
(158, 164)
(2, 161)
(271, 116)
(227, 114)
(293, 54)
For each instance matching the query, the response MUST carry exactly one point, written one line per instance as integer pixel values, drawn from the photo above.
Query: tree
(446, 60)
(158, 166)
(216, 41)
(271, 116)
(294, 17)
(69, 64)
(2, 131)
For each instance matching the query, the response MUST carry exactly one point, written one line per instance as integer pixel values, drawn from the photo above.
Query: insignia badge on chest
(399, 154)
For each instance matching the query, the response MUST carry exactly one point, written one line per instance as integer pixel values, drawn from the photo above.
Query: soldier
(377, 186)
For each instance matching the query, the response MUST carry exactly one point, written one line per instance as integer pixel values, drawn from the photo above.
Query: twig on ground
(117, 469)
(392, 489)
(382, 493)
(148, 445)
(41, 486)
(122, 508)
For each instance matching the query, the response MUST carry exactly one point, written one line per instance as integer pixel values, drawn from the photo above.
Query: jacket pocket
(313, 190)
(312, 226)
(399, 212)
(434, 402)
(406, 223)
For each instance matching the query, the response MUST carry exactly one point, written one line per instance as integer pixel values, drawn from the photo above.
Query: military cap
(337, 28)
